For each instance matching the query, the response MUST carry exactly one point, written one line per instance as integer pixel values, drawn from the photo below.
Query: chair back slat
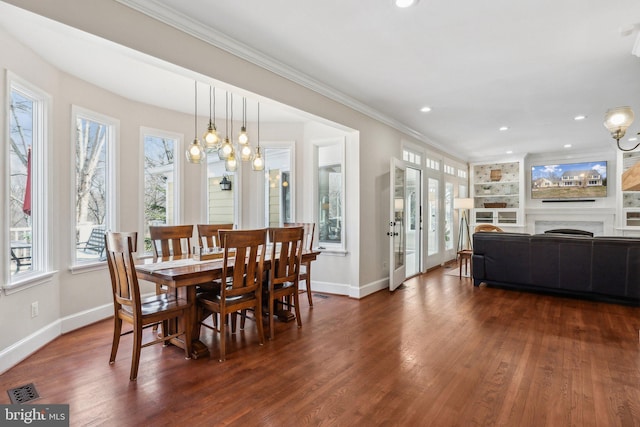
(244, 251)
(287, 250)
(309, 231)
(171, 240)
(124, 280)
(208, 236)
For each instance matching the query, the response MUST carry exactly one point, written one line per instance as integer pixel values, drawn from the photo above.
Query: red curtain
(26, 203)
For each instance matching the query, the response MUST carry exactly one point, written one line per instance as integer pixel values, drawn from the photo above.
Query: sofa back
(571, 263)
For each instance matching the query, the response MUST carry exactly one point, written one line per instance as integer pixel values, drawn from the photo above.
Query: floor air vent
(320, 296)
(23, 394)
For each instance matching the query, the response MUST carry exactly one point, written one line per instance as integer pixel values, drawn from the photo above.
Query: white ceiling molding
(187, 25)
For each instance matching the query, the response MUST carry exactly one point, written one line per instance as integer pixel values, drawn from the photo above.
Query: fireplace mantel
(600, 221)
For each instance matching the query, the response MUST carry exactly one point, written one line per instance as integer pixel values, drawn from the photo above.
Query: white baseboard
(14, 354)
(349, 290)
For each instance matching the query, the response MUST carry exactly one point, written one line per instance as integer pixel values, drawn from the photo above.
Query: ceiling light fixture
(578, 118)
(405, 3)
(195, 152)
(210, 137)
(503, 128)
(617, 121)
(425, 109)
(257, 164)
(567, 145)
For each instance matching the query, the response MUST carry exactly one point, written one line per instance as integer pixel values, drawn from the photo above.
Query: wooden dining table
(184, 273)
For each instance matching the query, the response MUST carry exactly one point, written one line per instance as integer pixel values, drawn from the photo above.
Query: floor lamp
(464, 238)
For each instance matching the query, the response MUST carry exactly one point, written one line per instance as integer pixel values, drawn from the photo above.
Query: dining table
(182, 274)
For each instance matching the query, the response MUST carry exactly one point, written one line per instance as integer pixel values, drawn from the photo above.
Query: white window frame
(340, 142)
(41, 269)
(291, 146)
(112, 172)
(178, 182)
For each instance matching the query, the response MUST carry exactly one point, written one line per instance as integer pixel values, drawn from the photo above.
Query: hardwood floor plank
(438, 352)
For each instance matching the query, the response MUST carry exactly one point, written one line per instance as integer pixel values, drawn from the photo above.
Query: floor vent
(23, 394)
(320, 296)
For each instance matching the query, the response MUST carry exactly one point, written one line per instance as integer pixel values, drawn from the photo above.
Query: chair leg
(223, 337)
(308, 283)
(137, 346)
(272, 325)
(258, 316)
(296, 305)
(117, 330)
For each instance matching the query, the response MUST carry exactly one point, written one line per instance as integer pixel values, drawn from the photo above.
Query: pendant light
(257, 164)
(243, 138)
(195, 152)
(226, 148)
(210, 137)
(230, 163)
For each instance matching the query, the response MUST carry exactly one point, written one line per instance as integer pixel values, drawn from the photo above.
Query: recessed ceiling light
(510, 152)
(581, 117)
(633, 138)
(425, 109)
(405, 3)
(503, 128)
(567, 145)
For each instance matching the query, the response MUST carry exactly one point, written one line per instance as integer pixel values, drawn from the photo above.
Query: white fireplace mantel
(600, 221)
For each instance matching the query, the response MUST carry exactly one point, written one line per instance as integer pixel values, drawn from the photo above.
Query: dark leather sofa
(604, 268)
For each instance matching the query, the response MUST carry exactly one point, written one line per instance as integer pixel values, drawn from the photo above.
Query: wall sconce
(225, 184)
(617, 121)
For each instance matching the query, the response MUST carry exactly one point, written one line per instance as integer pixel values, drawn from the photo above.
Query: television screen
(568, 181)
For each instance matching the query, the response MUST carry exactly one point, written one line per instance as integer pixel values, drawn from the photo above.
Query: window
(449, 170)
(95, 175)
(27, 176)
(221, 192)
(161, 180)
(330, 193)
(278, 186)
(462, 173)
(433, 164)
(411, 157)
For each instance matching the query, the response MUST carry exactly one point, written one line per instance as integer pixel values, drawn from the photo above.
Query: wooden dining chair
(242, 274)
(170, 240)
(208, 234)
(129, 307)
(305, 270)
(286, 255)
(487, 227)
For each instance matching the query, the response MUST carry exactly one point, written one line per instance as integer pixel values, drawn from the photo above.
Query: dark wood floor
(436, 352)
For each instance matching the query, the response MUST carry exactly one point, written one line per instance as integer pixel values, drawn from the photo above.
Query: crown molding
(178, 20)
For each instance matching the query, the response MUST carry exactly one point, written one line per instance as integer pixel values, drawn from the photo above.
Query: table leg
(198, 348)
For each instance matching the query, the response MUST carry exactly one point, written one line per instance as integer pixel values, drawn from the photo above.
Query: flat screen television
(569, 181)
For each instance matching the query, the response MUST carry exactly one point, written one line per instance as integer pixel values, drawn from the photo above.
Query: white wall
(72, 299)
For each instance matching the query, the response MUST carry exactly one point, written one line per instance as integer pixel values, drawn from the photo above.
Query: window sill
(332, 251)
(87, 267)
(32, 280)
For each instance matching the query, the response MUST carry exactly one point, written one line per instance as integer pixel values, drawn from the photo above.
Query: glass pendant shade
(195, 153)
(225, 150)
(230, 164)
(243, 138)
(211, 138)
(258, 162)
(617, 121)
(245, 153)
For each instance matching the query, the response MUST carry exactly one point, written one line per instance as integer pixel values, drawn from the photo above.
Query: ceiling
(530, 65)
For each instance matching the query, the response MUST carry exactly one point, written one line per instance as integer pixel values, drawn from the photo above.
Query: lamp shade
(617, 120)
(466, 203)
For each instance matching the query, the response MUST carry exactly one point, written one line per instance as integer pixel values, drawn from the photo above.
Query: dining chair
(208, 234)
(487, 227)
(286, 255)
(129, 307)
(242, 274)
(305, 270)
(170, 240)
